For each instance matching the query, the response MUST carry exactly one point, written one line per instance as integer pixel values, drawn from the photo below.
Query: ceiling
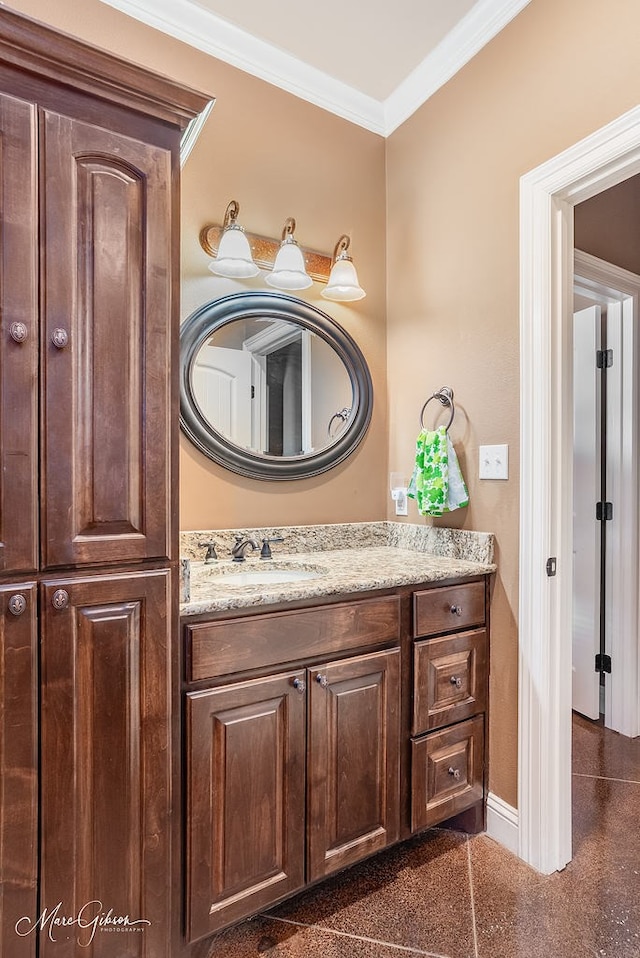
(372, 62)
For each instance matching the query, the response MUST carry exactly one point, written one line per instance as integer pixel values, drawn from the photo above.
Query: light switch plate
(494, 462)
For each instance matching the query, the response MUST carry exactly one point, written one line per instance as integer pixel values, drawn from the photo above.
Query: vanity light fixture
(289, 271)
(343, 285)
(234, 258)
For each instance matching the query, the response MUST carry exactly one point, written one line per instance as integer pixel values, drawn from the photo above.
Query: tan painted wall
(278, 156)
(558, 72)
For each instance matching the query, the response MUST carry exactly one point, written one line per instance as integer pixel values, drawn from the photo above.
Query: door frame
(605, 282)
(547, 197)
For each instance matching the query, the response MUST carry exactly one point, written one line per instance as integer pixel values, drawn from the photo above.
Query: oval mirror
(271, 387)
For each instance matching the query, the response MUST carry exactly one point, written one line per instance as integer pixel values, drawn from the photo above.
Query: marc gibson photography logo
(89, 920)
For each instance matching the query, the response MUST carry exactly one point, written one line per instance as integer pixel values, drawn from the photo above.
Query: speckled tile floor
(446, 895)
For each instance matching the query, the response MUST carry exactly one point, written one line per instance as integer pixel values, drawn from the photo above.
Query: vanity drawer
(448, 608)
(447, 773)
(449, 679)
(254, 642)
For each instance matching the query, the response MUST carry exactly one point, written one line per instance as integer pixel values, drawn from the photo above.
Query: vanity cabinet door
(18, 337)
(18, 769)
(106, 487)
(245, 798)
(353, 760)
(105, 763)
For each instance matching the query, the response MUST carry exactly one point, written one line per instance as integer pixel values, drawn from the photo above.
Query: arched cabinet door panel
(106, 344)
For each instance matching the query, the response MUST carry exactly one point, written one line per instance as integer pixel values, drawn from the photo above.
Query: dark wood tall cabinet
(89, 178)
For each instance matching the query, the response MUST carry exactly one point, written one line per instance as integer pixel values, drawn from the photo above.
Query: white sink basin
(264, 576)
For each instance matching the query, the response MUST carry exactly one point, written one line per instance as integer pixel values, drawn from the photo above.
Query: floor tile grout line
(347, 934)
(606, 778)
(472, 899)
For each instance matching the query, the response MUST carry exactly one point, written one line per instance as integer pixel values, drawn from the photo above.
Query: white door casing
(547, 196)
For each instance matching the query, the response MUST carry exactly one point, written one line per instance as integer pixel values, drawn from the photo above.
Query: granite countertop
(379, 560)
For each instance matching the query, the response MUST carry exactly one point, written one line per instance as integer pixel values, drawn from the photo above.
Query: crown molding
(190, 23)
(186, 21)
(483, 22)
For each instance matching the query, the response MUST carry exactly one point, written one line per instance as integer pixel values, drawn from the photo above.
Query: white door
(222, 389)
(586, 530)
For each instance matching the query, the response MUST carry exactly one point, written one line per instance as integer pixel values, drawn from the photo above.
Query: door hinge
(253, 392)
(603, 662)
(604, 511)
(551, 566)
(604, 358)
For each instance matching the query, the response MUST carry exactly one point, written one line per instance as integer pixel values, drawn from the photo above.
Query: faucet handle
(211, 550)
(265, 552)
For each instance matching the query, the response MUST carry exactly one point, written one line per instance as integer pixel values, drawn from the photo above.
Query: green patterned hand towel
(437, 484)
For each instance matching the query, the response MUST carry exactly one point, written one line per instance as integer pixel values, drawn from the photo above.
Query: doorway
(548, 197)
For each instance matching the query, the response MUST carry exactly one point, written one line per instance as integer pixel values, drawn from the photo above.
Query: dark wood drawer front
(234, 645)
(449, 679)
(446, 772)
(447, 609)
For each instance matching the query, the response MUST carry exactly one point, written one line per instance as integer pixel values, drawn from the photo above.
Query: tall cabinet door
(18, 769)
(105, 765)
(353, 760)
(106, 483)
(18, 337)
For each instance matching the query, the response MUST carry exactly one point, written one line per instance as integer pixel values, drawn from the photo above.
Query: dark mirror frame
(254, 304)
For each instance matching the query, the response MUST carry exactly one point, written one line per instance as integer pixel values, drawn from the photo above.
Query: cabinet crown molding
(32, 47)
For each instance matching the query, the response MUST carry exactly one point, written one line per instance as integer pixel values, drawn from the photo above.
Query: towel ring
(343, 415)
(444, 395)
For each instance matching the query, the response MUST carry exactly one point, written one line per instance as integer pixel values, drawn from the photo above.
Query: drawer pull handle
(17, 604)
(60, 599)
(18, 332)
(300, 686)
(455, 680)
(456, 610)
(322, 680)
(60, 338)
(455, 772)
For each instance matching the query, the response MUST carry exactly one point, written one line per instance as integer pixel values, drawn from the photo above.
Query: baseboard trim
(502, 823)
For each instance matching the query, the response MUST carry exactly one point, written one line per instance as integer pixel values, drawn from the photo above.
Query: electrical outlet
(494, 462)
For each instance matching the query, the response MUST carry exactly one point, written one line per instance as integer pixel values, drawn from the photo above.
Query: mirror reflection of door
(284, 400)
(281, 407)
(272, 386)
(221, 386)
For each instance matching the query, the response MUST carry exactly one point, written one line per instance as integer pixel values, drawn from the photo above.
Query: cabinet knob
(456, 610)
(455, 680)
(300, 685)
(59, 337)
(322, 680)
(60, 599)
(18, 332)
(17, 604)
(455, 772)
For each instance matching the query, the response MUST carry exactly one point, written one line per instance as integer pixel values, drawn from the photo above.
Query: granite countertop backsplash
(339, 559)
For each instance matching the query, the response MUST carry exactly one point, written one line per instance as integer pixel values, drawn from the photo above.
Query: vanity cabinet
(450, 676)
(294, 774)
(89, 174)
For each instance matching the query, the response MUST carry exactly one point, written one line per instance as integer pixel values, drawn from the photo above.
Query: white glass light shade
(289, 271)
(234, 257)
(343, 285)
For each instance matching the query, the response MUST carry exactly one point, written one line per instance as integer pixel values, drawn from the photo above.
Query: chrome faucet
(239, 549)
